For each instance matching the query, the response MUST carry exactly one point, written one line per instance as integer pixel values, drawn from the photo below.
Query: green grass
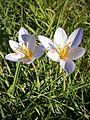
(51, 102)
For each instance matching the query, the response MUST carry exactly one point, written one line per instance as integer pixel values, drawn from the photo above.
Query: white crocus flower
(63, 49)
(26, 50)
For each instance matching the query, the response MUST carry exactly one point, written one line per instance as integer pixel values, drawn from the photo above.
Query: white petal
(31, 61)
(46, 42)
(22, 31)
(31, 43)
(60, 37)
(75, 38)
(13, 57)
(53, 55)
(67, 66)
(39, 51)
(76, 53)
(14, 45)
(25, 60)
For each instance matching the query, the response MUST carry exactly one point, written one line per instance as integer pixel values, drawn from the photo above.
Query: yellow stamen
(64, 52)
(26, 51)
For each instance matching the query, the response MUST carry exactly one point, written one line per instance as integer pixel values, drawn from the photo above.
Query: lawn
(62, 95)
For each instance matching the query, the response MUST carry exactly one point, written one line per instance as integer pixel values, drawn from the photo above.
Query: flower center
(64, 52)
(24, 50)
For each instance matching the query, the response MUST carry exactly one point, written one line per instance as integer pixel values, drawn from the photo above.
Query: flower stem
(64, 82)
(16, 75)
(38, 82)
(12, 87)
(64, 85)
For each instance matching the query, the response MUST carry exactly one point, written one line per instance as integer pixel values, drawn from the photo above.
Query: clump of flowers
(63, 49)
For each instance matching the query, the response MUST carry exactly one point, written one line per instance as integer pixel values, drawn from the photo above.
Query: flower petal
(13, 57)
(31, 61)
(39, 51)
(75, 38)
(22, 31)
(67, 66)
(25, 60)
(31, 43)
(25, 37)
(53, 55)
(14, 45)
(46, 42)
(60, 37)
(76, 53)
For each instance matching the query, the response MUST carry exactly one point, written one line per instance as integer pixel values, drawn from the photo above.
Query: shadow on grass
(4, 38)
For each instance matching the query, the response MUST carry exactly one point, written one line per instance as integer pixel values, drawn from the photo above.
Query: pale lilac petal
(76, 53)
(31, 61)
(53, 55)
(46, 42)
(25, 60)
(14, 45)
(67, 66)
(31, 43)
(13, 57)
(25, 37)
(60, 37)
(39, 51)
(22, 31)
(75, 38)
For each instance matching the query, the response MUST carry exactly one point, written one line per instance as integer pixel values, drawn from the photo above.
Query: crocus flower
(63, 49)
(26, 50)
